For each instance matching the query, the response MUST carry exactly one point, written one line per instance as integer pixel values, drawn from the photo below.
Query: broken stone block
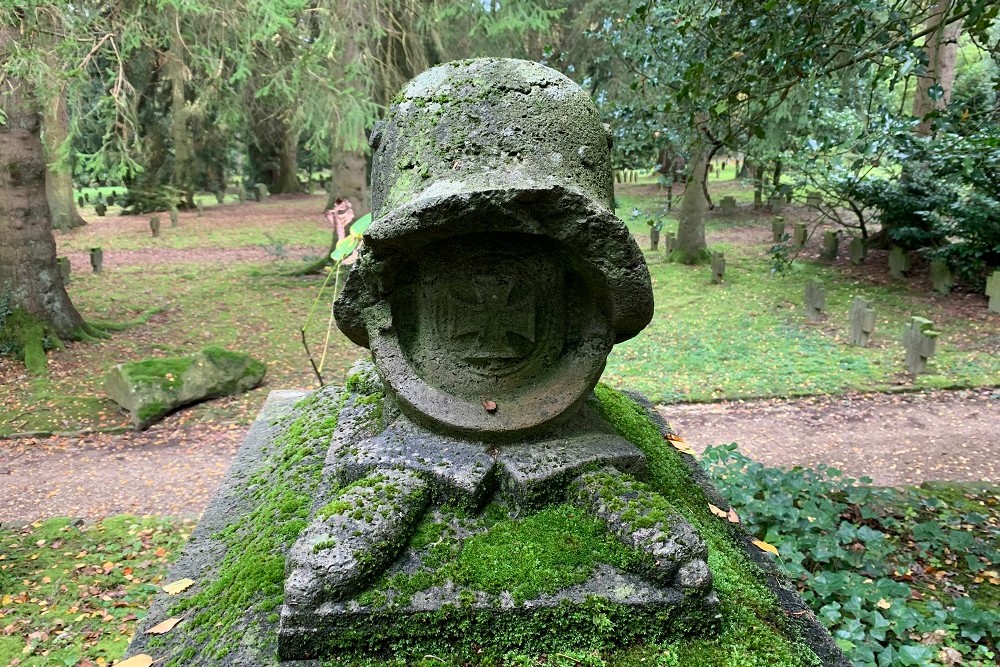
(149, 390)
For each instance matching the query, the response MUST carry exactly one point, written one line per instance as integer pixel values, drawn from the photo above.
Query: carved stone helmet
(494, 278)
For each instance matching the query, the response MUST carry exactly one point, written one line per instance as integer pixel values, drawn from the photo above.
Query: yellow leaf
(141, 660)
(163, 627)
(883, 604)
(678, 443)
(764, 546)
(732, 516)
(721, 513)
(178, 586)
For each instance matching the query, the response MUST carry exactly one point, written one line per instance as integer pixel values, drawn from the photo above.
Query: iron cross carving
(498, 309)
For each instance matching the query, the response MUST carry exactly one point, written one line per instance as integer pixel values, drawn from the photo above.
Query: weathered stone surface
(154, 225)
(862, 318)
(174, 216)
(899, 262)
(941, 277)
(718, 267)
(96, 259)
(993, 291)
(65, 269)
(494, 272)
(857, 250)
(728, 206)
(920, 343)
(537, 472)
(778, 230)
(149, 390)
(831, 245)
(654, 239)
(669, 242)
(353, 538)
(815, 300)
(675, 553)
(800, 235)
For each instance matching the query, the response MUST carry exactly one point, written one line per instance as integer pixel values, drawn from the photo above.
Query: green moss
(24, 336)
(165, 373)
(543, 553)
(151, 411)
(252, 573)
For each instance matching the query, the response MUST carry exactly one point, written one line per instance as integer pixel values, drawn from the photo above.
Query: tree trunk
(286, 181)
(691, 246)
(758, 186)
(349, 180)
(59, 177)
(180, 133)
(941, 46)
(28, 270)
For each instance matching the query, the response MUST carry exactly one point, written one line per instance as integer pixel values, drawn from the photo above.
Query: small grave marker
(899, 262)
(814, 200)
(654, 237)
(831, 245)
(862, 317)
(241, 194)
(728, 206)
(993, 291)
(154, 226)
(200, 208)
(173, 216)
(857, 250)
(718, 267)
(941, 277)
(800, 234)
(778, 230)
(920, 342)
(776, 203)
(100, 208)
(815, 300)
(260, 192)
(96, 259)
(86, 197)
(64, 269)
(79, 201)
(220, 196)
(111, 199)
(669, 242)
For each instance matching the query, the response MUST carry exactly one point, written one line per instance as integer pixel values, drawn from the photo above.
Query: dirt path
(174, 469)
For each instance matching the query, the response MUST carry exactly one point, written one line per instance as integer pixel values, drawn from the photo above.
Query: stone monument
(815, 300)
(778, 230)
(862, 317)
(472, 491)
(800, 235)
(920, 343)
(831, 245)
(942, 277)
(899, 262)
(993, 291)
(718, 267)
(857, 250)
(728, 206)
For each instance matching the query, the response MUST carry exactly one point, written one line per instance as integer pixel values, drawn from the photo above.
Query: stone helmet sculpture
(495, 277)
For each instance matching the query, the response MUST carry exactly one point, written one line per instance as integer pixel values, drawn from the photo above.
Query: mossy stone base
(149, 390)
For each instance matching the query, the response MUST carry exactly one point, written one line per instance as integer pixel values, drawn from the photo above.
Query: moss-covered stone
(151, 389)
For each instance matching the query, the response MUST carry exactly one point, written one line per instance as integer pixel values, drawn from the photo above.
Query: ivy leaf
(345, 247)
(360, 226)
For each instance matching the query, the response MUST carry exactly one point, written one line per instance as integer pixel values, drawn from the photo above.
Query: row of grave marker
(942, 277)
(919, 336)
(260, 193)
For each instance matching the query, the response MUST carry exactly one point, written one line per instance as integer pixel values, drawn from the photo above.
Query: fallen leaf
(732, 516)
(764, 546)
(883, 604)
(717, 511)
(163, 627)
(678, 443)
(141, 660)
(178, 586)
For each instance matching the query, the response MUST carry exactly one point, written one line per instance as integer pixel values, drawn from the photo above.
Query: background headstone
(941, 277)
(80, 202)
(814, 200)
(173, 216)
(260, 192)
(96, 259)
(778, 230)
(800, 234)
(899, 262)
(718, 267)
(857, 250)
(993, 291)
(862, 317)
(64, 269)
(831, 245)
(112, 198)
(920, 342)
(728, 206)
(200, 208)
(154, 225)
(86, 197)
(815, 300)
(776, 203)
(654, 238)
(241, 194)
(669, 241)
(100, 209)
(220, 196)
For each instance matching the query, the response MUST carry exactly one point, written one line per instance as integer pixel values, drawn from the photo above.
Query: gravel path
(174, 469)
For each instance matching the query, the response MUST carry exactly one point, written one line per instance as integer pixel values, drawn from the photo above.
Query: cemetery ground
(911, 567)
